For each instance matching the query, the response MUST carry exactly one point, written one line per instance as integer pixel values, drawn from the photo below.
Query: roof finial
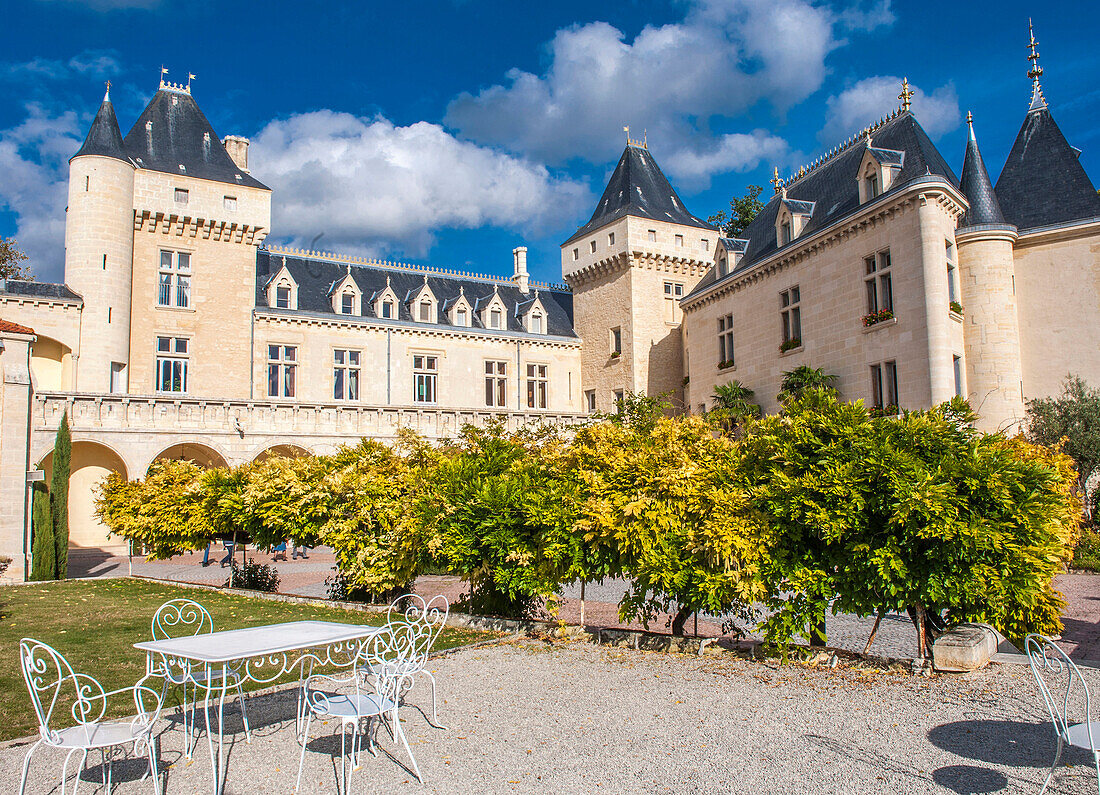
(348, 266)
(970, 125)
(107, 93)
(645, 138)
(776, 181)
(163, 72)
(626, 129)
(190, 77)
(906, 95)
(1036, 71)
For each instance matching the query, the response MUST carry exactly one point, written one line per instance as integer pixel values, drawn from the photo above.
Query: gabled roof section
(832, 186)
(734, 244)
(314, 275)
(1043, 183)
(104, 137)
(638, 187)
(887, 157)
(975, 183)
(173, 132)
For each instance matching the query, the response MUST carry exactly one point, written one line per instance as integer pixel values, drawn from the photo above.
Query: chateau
(178, 334)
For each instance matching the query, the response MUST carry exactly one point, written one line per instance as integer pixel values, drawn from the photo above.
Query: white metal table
(257, 654)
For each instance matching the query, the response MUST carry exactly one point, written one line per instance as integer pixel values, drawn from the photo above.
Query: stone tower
(991, 334)
(629, 266)
(99, 248)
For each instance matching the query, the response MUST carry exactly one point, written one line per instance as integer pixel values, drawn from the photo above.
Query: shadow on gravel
(970, 780)
(1003, 742)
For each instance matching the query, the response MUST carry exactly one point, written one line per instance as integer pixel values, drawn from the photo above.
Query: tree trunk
(874, 630)
(919, 615)
(679, 620)
(817, 632)
(582, 604)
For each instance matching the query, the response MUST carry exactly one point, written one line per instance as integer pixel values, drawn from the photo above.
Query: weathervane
(190, 77)
(163, 72)
(1036, 71)
(906, 95)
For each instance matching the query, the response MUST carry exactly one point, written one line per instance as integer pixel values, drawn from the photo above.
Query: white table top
(242, 644)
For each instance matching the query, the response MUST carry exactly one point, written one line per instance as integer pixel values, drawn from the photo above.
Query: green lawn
(95, 623)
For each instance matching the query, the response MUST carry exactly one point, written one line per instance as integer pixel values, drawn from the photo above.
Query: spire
(975, 184)
(104, 137)
(1035, 72)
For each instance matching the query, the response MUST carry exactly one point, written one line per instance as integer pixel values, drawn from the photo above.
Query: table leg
(221, 731)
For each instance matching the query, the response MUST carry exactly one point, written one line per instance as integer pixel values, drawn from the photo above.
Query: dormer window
(425, 311)
(495, 316)
(785, 233)
(282, 290)
(878, 170)
(459, 311)
(345, 296)
(461, 318)
(871, 184)
(791, 219)
(347, 303)
(723, 264)
(387, 309)
(535, 326)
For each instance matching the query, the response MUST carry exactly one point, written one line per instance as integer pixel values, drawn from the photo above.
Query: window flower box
(616, 354)
(728, 363)
(956, 307)
(877, 317)
(791, 344)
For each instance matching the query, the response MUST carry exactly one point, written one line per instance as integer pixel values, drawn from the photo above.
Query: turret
(99, 245)
(991, 333)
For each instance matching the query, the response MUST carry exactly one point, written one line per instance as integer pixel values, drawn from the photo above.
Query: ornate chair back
(385, 656)
(179, 618)
(1061, 685)
(424, 619)
(56, 688)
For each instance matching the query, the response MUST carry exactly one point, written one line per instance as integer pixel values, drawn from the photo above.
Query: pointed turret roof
(104, 137)
(1043, 182)
(173, 132)
(638, 187)
(975, 183)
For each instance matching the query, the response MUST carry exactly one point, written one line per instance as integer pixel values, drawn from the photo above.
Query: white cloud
(873, 97)
(372, 186)
(87, 64)
(34, 161)
(732, 152)
(723, 58)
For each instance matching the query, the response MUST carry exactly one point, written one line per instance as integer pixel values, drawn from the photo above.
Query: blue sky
(450, 131)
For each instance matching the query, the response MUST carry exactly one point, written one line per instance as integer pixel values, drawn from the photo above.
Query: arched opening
(51, 365)
(91, 462)
(206, 457)
(283, 450)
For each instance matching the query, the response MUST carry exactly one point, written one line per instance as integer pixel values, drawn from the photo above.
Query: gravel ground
(534, 717)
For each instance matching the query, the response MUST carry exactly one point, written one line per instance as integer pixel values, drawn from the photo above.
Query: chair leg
(1096, 759)
(79, 768)
(244, 712)
(1054, 766)
(435, 714)
(301, 762)
(404, 742)
(153, 771)
(26, 767)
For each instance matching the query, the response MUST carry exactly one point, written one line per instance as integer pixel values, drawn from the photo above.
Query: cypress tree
(43, 554)
(59, 496)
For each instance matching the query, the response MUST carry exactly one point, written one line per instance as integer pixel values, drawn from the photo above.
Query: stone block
(966, 647)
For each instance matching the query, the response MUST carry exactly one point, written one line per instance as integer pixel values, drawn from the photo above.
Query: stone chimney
(519, 266)
(237, 148)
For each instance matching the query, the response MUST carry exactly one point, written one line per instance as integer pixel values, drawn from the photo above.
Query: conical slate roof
(976, 185)
(1043, 182)
(104, 137)
(638, 187)
(173, 132)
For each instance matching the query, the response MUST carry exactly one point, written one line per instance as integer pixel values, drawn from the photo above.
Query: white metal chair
(55, 688)
(1048, 661)
(364, 696)
(426, 621)
(179, 618)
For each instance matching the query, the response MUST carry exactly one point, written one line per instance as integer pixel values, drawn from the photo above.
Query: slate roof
(314, 275)
(975, 183)
(59, 292)
(638, 187)
(104, 137)
(1043, 183)
(833, 188)
(171, 132)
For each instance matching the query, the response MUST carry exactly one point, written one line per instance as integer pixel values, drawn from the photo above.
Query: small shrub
(253, 576)
(1087, 554)
(341, 589)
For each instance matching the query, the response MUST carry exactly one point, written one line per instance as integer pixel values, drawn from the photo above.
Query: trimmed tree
(59, 496)
(43, 554)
